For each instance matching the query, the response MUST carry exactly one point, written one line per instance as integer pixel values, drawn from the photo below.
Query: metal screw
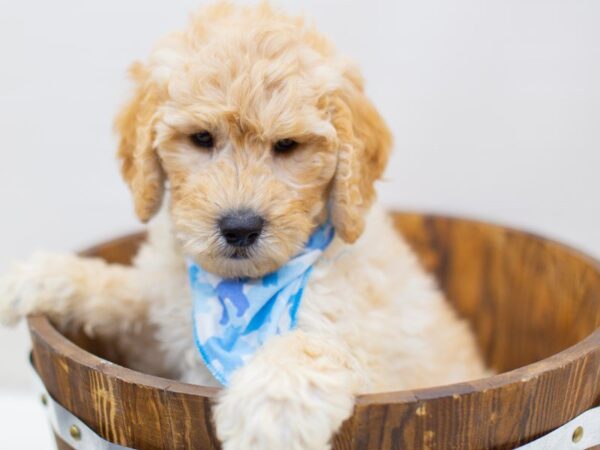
(44, 400)
(577, 434)
(75, 432)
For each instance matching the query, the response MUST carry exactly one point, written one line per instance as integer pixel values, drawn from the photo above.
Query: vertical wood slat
(534, 306)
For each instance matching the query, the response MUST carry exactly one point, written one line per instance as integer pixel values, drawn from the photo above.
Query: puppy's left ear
(140, 165)
(364, 146)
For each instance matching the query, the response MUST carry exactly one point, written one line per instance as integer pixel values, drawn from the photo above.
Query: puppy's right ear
(140, 165)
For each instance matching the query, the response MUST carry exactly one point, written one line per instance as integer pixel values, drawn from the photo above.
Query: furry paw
(37, 286)
(266, 422)
(287, 399)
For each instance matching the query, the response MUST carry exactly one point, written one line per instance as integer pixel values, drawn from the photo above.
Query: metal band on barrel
(580, 433)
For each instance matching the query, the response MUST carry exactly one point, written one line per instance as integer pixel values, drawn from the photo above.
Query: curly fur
(371, 319)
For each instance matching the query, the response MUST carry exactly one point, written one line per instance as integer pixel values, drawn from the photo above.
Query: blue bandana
(233, 318)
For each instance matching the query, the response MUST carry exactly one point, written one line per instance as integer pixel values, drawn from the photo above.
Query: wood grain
(534, 307)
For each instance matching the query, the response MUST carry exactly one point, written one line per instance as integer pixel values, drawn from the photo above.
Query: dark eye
(285, 146)
(202, 139)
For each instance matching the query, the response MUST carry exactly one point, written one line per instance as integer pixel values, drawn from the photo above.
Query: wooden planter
(533, 304)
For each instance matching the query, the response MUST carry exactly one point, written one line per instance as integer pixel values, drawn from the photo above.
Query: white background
(495, 107)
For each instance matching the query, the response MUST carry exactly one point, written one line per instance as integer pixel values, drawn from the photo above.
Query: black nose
(241, 228)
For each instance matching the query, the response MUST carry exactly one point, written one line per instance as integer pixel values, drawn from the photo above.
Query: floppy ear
(364, 146)
(140, 165)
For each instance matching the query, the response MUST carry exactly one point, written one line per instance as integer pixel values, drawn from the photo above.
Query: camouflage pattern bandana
(233, 318)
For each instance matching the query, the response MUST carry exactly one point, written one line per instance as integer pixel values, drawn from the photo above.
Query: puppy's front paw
(37, 286)
(260, 421)
(290, 398)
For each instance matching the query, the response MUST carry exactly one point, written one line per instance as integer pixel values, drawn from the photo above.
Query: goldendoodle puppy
(268, 270)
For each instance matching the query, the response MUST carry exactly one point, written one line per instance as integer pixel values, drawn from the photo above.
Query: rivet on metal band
(75, 432)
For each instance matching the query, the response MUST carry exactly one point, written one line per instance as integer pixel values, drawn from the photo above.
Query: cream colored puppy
(250, 110)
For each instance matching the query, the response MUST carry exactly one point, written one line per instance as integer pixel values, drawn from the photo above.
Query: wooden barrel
(533, 304)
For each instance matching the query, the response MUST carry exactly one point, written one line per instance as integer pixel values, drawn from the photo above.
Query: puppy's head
(259, 129)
